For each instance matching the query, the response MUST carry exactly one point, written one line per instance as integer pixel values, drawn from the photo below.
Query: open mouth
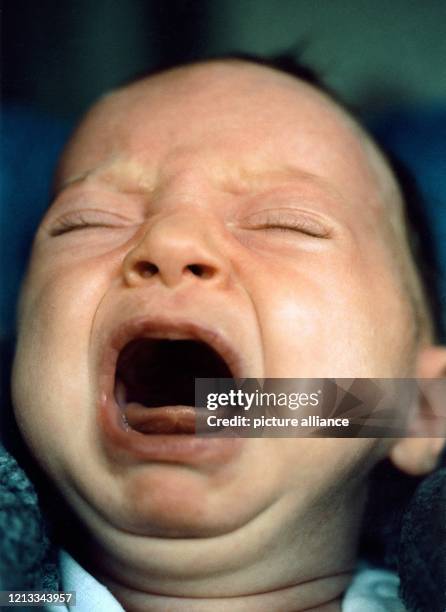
(155, 382)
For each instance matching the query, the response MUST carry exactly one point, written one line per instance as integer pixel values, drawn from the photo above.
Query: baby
(227, 218)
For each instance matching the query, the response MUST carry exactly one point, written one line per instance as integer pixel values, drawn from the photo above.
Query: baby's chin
(183, 507)
(273, 481)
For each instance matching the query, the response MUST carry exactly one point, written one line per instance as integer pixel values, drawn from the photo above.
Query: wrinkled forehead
(231, 117)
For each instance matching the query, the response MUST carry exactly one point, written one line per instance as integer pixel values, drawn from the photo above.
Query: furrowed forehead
(223, 85)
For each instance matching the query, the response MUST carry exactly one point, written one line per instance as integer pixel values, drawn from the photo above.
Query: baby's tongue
(160, 420)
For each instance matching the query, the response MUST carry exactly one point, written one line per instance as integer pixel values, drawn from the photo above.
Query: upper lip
(165, 329)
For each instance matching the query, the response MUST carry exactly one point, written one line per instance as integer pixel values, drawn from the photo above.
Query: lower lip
(130, 445)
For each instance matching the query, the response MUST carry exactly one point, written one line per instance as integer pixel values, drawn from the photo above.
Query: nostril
(146, 269)
(201, 270)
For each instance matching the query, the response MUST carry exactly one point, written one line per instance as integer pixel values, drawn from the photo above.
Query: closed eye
(85, 219)
(287, 220)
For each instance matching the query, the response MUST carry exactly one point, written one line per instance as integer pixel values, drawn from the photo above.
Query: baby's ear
(431, 362)
(419, 455)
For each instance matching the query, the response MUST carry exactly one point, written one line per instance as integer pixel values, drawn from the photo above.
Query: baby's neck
(321, 595)
(270, 566)
(274, 583)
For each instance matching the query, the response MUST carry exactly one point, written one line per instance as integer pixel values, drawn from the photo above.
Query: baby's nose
(176, 249)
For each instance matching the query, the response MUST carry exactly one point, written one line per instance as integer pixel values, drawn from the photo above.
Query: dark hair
(422, 248)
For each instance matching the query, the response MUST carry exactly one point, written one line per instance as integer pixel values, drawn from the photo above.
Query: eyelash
(77, 221)
(284, 221)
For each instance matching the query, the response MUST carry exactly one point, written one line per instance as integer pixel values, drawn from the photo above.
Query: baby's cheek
(52, 393)
(57, 310)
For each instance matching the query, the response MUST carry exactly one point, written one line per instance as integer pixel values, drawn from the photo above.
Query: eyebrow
(246, 180)
(132, 177)
(128, 177)
(72, 181)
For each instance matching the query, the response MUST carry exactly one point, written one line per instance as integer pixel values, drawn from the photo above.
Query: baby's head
(242, 210)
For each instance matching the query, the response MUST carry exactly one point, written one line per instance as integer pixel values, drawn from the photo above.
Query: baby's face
(226, 205)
